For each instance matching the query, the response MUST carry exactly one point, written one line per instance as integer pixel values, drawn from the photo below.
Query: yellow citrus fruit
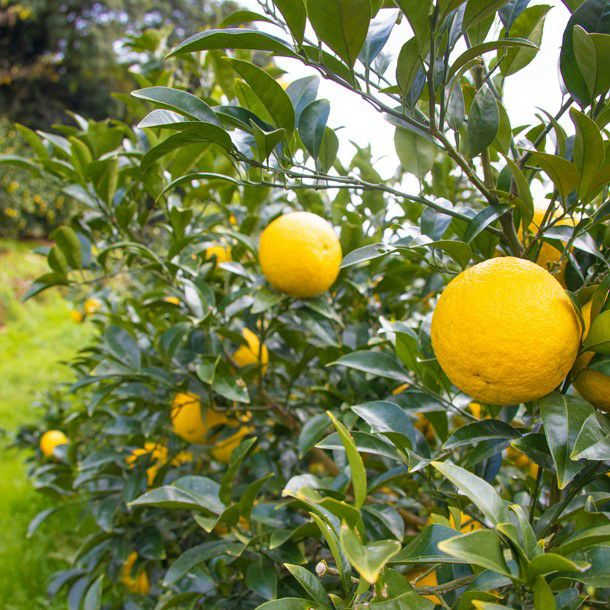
(222, 253)
(172, 300)
(51, 439)
(429, 580)
(300, 254)
(224, 448)
(158, 455)
(188, 422)
(505, 332)
(400, 389)
(249, 354)
(92, 305)
(592, 385)
(476, 409)
(467, 523)
(521, 461)
(137, 583)
(548, 254)
(76, 316)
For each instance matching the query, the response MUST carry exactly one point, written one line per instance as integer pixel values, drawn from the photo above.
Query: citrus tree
(314, 388)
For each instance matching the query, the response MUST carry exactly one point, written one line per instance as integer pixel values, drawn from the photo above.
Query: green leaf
(416, 154)
(366, 443)
(529, 25)
(586, 57)
(69, 244)
(424, 548)
(387, 418)
(593, 441)
(478, 10)
(543, 595)
(357, 470)
(179, 101)
(93, 599)
(486, 47)
(477, 432)
(228, 385)
(592, 16)
(586, 538)
(312, 125)
(241, 17)
(341, 24)
(418, 14)
(19, 162)
(598, 339)
(480, 548)
(190, 492)
(311, 432)
(202, 134)
(483, 121)
(292, 603)
(234, 38)
(563, 418)
(266, 141)
(407, 66)
(479, 491)
(123, 346)
(589, 150)
(302, 92)
(197, 555)
(552, 562)
(483, 219)
(563, 173)
(261, 577)
(309, 582)
(379, 364)
(295, 14)
(525, 195)
(370, 559)
(328, 150)
(240, 453)
(269, 92)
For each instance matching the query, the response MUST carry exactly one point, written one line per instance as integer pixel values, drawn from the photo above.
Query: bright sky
(537, 85)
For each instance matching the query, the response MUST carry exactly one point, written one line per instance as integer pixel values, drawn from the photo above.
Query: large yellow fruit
(188, 422)
(548, 254)
(136, 583)
(249, 354)
(51, 439)
(300, 254)
(505, 332)
(591, 385)
(429, 580)
(222, 253)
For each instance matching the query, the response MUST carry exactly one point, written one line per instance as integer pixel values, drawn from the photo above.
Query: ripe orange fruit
(51, 439)
(505, 332)
(300, 254)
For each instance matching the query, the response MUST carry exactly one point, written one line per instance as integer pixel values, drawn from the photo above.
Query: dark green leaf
(483, 121)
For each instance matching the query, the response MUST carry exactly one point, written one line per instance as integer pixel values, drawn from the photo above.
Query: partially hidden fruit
(429, 580)
(300, 254)
(188, 423)
(505, 332)
(172, 300)
(592, 385)
(136, 583)
(548, 254)
(253, 352)
(221, 253)
(158, 457)
(92, 305)
(76, 316)
(51, 439)
(521, 461)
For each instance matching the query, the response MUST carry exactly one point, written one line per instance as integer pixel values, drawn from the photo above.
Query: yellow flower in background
(92, 305)
(11, 212)
(12, 187)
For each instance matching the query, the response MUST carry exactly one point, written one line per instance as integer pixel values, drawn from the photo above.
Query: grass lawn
(34, 338)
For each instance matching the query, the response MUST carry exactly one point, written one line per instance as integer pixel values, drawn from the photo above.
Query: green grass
(35, 338)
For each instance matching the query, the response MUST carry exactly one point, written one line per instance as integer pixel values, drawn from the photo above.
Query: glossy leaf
(295, 14)
(179, 101)
(312, 125)
(380, 364)
(483, 121)
(341, 24)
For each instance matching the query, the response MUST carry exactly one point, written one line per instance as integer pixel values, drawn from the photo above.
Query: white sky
(537, 85)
